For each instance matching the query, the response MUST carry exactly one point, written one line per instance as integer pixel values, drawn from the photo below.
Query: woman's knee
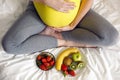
(8, 48)
(111, 38)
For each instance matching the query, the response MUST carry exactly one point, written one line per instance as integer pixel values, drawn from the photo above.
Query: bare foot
(64, 43)
(50, 32)
(76, 44)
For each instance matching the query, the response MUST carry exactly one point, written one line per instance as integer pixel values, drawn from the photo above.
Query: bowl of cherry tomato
(45, 61)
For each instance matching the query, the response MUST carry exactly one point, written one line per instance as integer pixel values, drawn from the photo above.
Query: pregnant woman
(29, 34)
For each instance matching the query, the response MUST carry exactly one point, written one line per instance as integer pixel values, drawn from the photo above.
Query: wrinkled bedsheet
(103, 63)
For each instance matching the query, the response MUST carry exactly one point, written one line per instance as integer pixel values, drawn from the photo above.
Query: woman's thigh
(27, 25)
(97, 24)
(22, 36)
(94, 30)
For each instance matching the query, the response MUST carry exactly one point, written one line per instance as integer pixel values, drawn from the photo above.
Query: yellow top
(55, 18)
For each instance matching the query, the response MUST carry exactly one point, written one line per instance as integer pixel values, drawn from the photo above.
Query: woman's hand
(60, 5)
(66, 28)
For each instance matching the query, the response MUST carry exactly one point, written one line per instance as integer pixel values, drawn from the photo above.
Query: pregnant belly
(55, 18)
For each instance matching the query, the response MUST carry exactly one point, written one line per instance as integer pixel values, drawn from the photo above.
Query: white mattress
(103, 63)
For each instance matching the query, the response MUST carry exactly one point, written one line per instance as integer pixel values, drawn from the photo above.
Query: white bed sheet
(103, 63)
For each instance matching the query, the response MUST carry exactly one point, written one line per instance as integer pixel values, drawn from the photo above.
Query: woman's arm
(84, 8)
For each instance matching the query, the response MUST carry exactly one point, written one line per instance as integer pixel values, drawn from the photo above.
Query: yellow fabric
(55, 18)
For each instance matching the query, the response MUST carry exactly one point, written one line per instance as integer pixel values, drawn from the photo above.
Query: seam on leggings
(93, 33)
(25, 40)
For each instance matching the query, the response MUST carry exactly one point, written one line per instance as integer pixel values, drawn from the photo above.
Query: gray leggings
(23, 36)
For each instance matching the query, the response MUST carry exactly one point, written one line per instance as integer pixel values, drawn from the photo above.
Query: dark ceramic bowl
(45, 61)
